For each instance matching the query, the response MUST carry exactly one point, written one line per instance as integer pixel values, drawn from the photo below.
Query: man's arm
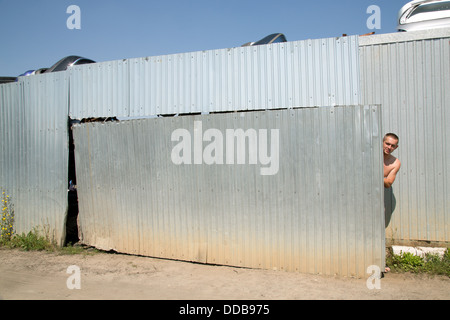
(389, 180)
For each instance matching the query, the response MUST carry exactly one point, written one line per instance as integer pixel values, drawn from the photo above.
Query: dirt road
(43, 275)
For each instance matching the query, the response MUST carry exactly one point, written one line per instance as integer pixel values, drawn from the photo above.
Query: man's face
(389, 145)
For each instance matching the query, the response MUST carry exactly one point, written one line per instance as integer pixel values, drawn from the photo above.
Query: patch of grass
(36, 241)
(70, 249)
(435, 265)
(33, 240)
(430, 264)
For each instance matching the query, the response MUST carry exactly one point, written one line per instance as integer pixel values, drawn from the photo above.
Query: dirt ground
(43, 275)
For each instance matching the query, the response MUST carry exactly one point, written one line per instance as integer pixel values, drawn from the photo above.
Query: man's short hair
(392, 135)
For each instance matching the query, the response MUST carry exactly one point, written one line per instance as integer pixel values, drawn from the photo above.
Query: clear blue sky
(34, 33)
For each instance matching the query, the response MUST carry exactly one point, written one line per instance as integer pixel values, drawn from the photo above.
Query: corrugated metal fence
(284, 75)
(34, 151)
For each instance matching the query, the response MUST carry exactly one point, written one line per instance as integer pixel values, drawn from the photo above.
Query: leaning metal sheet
(297, 190)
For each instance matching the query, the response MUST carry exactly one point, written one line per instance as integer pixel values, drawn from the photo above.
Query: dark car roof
(275, 37)
(62, 64)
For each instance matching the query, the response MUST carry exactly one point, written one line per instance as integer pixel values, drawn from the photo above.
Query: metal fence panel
(34, 151)
(284, 75)
(409, 75)
(100, 90)
(320, 212)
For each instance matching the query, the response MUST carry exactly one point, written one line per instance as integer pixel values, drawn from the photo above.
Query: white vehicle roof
(424, 14)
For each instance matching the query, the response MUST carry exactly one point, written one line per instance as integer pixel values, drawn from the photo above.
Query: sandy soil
(43, 275)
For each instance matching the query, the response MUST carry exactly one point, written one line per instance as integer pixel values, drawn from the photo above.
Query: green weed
(430, 264)
(33, 240)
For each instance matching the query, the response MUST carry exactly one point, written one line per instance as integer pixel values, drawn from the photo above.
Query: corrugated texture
(411, 80)
(321, 212)
(34, 151)
(100, 90)
(284, 75)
